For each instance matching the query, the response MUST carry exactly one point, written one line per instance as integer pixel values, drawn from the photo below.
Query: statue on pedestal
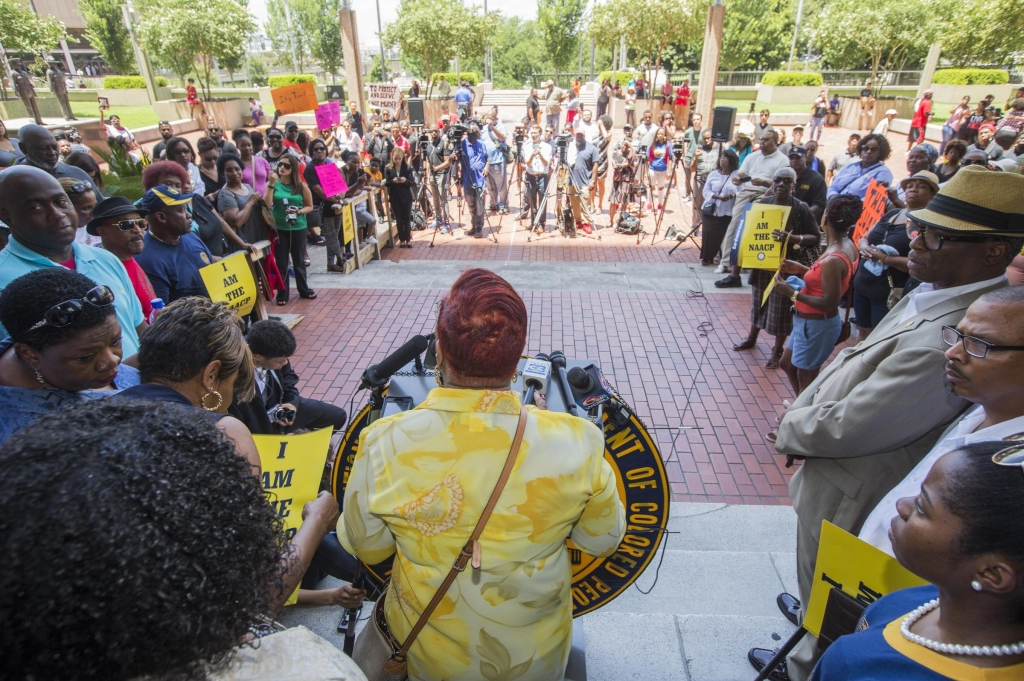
(59, 88)
(26, 90)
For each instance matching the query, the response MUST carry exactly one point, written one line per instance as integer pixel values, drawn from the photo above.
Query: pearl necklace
(951, 648)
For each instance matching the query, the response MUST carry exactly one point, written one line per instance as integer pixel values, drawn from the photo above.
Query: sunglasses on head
(64, 314)
(79, 188)
(1012, 455)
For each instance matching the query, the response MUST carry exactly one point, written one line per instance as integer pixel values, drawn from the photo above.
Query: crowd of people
(118, 374)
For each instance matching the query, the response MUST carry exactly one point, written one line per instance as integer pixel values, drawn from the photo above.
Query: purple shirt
(261, 167)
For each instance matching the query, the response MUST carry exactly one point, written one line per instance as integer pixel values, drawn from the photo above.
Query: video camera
(423, 141)
(456, 131)
(677, 148)
(562, 145)
(518, 137)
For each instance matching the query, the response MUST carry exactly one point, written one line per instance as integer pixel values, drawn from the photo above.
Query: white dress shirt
(876, 528)
(926, 295)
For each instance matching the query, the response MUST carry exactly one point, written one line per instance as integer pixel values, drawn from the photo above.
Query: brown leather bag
(376, 651)
(844, 332)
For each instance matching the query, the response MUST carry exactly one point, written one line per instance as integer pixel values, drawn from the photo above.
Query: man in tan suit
(878, 409)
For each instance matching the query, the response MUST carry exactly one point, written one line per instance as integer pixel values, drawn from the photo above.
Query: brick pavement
(648, 343)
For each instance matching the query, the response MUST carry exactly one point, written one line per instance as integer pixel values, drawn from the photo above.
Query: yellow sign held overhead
(758, 250)
(858, 568)
(230, 281)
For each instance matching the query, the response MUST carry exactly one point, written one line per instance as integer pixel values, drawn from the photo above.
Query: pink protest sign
(335, 112)
(331, 179)
(323, 117)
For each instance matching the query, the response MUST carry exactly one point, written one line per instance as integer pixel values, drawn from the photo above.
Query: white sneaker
(370, 240)
(722, 269)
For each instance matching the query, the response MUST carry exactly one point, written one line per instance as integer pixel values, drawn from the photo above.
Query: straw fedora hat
(979, 201)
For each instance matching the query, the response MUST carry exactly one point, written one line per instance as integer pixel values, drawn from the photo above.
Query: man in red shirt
(121, 226)
(683, 105)
(922, 112)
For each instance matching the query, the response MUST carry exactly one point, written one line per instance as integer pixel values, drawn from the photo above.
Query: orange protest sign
(875, 200)
(295, 98)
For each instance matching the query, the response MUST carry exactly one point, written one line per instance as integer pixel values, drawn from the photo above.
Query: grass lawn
(132, 117)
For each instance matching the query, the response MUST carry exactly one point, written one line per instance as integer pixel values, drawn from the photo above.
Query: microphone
(378, 374)
(589, 387)
(558, 364)
(536, 373)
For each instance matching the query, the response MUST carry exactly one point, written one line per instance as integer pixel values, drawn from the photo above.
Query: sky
(366, 13)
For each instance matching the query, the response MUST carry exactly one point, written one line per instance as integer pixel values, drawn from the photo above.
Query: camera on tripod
(642, 150)
(562, 145)
(677, 148)
(423, 141)
(456, 132)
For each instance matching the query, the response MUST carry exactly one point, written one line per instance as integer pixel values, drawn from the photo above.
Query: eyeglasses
(1012, 455)
(975, 347)
(783, 180)
(870, 147)
(285, 166)
(933, 240)
(129, 225)
(975, 162)
(79, 188)
(64, 314)
(275, 137)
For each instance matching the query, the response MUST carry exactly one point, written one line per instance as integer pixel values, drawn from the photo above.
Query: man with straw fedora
(878, 409)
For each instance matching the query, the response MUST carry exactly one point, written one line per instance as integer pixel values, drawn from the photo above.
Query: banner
(324, 119)
(384, 95)
(876, 198)
(294, 98)
(331, 179)
(858, 568)
(230, 281)
(758, 249)
(348, 230)
(292, 466)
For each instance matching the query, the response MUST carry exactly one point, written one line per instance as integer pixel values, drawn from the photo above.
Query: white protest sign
(384, 95)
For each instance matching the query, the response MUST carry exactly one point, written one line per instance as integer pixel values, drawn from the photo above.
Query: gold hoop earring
(211, 391)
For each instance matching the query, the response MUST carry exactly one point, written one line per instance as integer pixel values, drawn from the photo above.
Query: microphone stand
(693, 231)
(347, 625)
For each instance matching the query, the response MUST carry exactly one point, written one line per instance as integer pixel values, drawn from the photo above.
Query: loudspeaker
(416, 117)
(723, 118)
(335, 92)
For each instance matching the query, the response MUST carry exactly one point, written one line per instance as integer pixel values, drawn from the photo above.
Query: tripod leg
(668, 192)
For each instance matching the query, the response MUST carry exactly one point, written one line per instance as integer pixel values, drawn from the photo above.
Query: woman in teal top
(291, 202)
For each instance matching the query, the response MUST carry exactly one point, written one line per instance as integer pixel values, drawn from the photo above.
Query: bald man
(40, 149)
(43, 223)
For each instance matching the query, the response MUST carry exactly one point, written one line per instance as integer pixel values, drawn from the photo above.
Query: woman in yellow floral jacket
(422, 478)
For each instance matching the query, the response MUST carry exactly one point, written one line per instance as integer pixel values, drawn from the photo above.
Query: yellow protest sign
(292, 467)
(858, 568)
(295, 98)
(230, 281)
(348, 230)
(758, 250)
(767, 291)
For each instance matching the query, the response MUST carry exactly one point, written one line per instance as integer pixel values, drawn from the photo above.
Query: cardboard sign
(348, 222)
(294, 98)
(331, 179)
(230, 281)
(858, 568)
(876, 198)
(384, 95)
(292, 466)
(758, 250)
(323, 117)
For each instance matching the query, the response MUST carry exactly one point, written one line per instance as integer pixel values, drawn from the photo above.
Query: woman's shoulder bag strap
(471, 551)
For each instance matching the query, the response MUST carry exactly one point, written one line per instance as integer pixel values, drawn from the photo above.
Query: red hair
(481, 325)
(156, 170)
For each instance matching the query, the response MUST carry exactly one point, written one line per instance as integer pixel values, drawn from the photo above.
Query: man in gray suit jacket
(878, 409)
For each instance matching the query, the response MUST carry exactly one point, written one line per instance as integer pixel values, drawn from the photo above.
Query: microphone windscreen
(580, 379)
(400, 357)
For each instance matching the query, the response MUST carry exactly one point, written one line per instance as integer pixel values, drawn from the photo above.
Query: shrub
(621, 76)
(971, 77)
(469, 76)
(805, 78)
(130, 82)
(290, 79)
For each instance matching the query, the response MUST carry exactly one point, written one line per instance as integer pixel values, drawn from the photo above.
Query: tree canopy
(105, 30)
(22, 30)
(561, 25)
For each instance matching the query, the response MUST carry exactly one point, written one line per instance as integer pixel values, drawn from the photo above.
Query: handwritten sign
(230, 281)
(876, 198)
(323, 117)
(858, 568)
(294, 98)
(331, 179)
(292, 466)
(758, 249)
(348, 229)
(384, 95)
(335, 107)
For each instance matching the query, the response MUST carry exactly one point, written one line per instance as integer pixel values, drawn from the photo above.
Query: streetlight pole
(380, 38)
(291, 41)
(796, 30)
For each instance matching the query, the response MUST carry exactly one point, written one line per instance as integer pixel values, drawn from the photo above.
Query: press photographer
(277, 407)
(582, 158)
(537, 160)
(473, 160)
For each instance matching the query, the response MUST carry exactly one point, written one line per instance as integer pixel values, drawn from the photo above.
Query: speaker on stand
(722, 121)
(416, 117)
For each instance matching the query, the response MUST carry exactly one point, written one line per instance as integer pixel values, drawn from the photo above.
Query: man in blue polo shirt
(473, 158)
(43, 223)
(464, 100)
(173, 254)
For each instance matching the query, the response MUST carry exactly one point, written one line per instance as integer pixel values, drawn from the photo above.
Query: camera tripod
(444, 218)
(676, 158)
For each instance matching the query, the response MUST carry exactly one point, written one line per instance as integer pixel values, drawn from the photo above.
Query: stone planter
(954, 93)
(125, 97)
(229, 113)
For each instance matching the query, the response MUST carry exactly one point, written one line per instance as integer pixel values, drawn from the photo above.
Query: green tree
(980, 31)
(320, 20)
(23, 31)
(163, 31)
(561, 26)
(436, 31)
(884, 33)
(288, 38)
(376, 74)
(518, 52)
(105, 30)
(757, 34)
(257, 72)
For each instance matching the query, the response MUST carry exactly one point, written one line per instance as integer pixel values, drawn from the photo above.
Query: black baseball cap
(798, 150)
